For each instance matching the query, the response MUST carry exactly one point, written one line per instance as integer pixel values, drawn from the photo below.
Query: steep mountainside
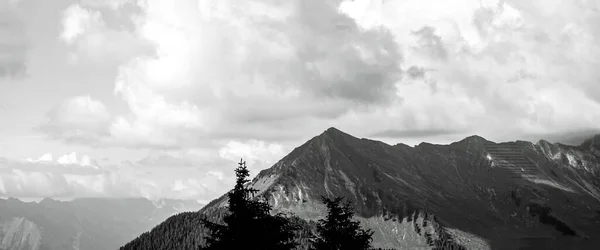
(476, 193)
(20, 234)
(90, 223)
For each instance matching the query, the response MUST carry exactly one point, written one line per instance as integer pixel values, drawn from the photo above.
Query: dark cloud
(431, 44)
(416, 72)
(330, 56)
(13, 46)
(414, 133)
(481, 20)
(306, 47)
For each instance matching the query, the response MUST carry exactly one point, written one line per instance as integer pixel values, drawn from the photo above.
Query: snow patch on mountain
(551, 184)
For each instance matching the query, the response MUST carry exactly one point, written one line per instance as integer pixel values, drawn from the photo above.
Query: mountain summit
(474, 194)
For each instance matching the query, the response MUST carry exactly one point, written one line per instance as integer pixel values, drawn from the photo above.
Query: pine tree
(249, 224)
(338, 231)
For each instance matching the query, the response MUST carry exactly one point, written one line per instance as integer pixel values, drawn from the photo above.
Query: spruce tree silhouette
(337, 231)
(249, 223)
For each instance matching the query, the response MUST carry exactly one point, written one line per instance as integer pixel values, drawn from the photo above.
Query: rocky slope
(20, 234)
(90, 223)
(475, 193)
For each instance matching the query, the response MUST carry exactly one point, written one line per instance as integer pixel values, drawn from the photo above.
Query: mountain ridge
(83, 223)
(477, 190)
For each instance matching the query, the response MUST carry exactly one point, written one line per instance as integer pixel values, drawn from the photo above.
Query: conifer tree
(338, 231)
(249, 223)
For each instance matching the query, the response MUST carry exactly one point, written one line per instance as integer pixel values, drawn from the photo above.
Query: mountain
(473, 194)
(87, 223)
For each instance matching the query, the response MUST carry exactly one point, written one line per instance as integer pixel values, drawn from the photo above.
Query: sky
(160, 99)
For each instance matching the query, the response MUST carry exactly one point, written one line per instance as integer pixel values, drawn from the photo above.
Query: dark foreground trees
(249, 224)
(338, 231)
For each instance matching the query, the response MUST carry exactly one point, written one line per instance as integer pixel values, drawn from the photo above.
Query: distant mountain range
(81, 224)
(476, 193)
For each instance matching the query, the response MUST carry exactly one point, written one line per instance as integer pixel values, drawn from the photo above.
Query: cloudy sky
(161, 98)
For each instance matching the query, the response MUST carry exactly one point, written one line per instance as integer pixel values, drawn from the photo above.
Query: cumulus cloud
(258, 155)
(67, 159)
(212, 183)
(496, 67)
(87, 32)
(70, 177)
(79, 118)
(279, 71)
(13, 46)
(72, 159)
(44, 177)
(44, 158)
(220, 65)
(205, 83)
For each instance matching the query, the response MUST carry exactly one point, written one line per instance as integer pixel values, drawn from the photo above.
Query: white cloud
(205, 83)
(46, 178)
(71, 158)
(67, 159)
(76, 21)
(260, 70)
(187, 188)
(79, 118)
(113, 4)
(252, 151)
(209, 75)
(257, 154)
(44, 158)
(86, 31)
(493, 67)
(70, 177)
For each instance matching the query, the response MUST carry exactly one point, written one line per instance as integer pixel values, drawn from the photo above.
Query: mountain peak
(499, 186)
(47, 200)
(334, 131)
(13, 199)
(473, 139)
(336, 134)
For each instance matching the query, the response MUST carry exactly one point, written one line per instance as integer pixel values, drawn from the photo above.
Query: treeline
(177, 232)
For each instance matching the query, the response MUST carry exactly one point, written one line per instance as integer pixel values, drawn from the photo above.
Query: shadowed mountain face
(90, 223)
(480, 194)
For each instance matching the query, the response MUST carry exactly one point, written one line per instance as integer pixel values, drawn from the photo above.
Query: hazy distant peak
(13, 199)
(48, 200)
(475, 139)
(594, 142)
